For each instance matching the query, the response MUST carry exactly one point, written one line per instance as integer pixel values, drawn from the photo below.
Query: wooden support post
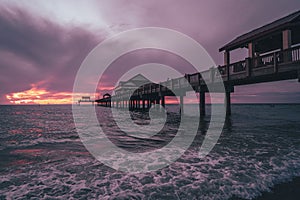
(157, 101)
(202, 103)
(181, 104)
(163, 101)
(188, 78)
(228, 103)
(286, 44)
(286, 39)
(227, 63)
(251, 50)
(144, 104)
(212, 75)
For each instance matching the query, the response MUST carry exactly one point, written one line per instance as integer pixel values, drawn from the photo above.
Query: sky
(43, 43)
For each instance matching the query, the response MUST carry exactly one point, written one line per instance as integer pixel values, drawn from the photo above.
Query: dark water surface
(41, 156)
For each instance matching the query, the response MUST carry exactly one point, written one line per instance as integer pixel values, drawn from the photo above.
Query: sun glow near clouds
(37, 95)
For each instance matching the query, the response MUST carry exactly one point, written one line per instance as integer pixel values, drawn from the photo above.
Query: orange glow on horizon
(42, 96)
(37, 95)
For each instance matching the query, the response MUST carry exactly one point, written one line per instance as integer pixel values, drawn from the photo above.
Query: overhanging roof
(262, 31)
(134, 82)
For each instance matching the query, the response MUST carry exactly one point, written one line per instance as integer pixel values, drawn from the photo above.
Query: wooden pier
(273, 55)
(86, 99)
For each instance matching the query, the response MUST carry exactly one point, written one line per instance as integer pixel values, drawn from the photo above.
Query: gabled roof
(264, 30)
(137, 80)
(138, 77)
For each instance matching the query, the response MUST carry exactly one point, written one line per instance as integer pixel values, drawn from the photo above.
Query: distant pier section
(273, 55)
(86, 99)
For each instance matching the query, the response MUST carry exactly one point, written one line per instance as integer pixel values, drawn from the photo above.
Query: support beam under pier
(228, 103)
(181, 104)
(144, 101)
(163, 101)
(202, 103)
(157, 101)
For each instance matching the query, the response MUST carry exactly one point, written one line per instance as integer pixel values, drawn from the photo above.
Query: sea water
(42, 156)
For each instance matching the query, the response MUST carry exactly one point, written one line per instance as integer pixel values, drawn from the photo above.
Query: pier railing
(267, 64)
(237, 67)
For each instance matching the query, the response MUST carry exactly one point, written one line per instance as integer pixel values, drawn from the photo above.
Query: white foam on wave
(213, 177)
(243, 164)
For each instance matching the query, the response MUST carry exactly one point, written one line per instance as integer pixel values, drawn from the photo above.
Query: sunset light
(142, 99)
(37, 95)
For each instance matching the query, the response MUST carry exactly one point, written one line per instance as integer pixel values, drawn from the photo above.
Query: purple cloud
(38, 50)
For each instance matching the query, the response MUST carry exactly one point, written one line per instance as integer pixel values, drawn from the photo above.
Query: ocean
(42, 156)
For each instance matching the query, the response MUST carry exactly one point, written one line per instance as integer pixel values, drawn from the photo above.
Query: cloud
(40, 50)
(36, 50)
(42, 96)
